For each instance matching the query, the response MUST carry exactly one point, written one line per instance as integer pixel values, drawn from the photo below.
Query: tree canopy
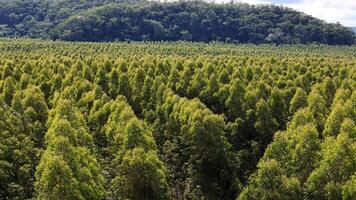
(179, 120)
(141, 20)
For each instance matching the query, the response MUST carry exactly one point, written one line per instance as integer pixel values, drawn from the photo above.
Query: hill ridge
(119, 20)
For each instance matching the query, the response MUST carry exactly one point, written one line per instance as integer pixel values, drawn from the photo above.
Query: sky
(343, 11)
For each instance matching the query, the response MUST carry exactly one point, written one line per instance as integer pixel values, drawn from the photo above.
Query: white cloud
(343, 11)
(254, 1)
(244, 1)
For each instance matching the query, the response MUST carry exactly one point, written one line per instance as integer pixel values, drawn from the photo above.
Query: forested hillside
(176, 121)
(140, 20)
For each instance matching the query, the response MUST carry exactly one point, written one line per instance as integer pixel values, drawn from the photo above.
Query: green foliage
(18, 158)
(298, 101)
(68, 168)
(336, 117)
(265, 123)
(335, 169)
(8, 90)
(321, 167)
(348, 190)
(271, 183)
(285, 166)
(175, 120)
(278, 106)
(32, 104)
(140, 174)
(142, 20)
(318, 108)
(234, 102)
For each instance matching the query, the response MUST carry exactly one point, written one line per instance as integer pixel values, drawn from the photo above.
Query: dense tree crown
(176, 120)
(143, 20)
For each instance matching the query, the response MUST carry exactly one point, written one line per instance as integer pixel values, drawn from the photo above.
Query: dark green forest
(140, 20)
(181, 120)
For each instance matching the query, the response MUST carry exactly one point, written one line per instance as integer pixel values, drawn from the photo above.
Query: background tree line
(121, 20)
